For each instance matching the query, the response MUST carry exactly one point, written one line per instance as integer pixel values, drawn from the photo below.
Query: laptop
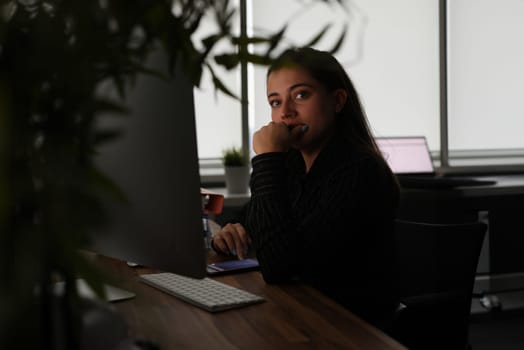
(410, 159)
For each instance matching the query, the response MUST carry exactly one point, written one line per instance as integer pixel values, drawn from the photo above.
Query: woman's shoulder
(366, 165)
(350, 156)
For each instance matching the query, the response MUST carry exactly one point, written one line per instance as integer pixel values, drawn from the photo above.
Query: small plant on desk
(234, 157)
(236, 170)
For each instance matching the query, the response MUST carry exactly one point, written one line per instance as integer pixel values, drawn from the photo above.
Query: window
(486, 79)
(392, 55)
(218, 116)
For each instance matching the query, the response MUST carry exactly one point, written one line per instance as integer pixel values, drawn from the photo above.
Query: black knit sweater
(331, 228)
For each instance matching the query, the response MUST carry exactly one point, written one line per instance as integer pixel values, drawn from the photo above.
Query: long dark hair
(352, 123)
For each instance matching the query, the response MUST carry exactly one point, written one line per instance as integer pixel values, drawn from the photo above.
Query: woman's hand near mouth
(277, 137)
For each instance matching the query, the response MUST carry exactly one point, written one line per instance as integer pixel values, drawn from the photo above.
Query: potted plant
(53, 56)
(236, 170)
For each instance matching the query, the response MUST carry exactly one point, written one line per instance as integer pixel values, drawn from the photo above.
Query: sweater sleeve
(336, 221)
(287, 235)
(269, 218)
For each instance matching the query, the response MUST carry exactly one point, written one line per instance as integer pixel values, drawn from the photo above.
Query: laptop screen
(406, 155)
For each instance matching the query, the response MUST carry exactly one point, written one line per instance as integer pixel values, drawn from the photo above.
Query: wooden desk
(292, 317)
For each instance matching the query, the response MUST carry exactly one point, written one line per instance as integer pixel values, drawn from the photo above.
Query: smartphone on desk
(232, 266)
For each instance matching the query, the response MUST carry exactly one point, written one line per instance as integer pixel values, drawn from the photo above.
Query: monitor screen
(155, 163)
(406, 155)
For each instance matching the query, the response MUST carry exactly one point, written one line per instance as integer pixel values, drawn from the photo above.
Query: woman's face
(295, 98)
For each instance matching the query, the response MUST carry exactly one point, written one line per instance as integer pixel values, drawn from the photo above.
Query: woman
(323, 200)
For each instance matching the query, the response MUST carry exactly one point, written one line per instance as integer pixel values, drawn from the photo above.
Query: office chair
(437, 267)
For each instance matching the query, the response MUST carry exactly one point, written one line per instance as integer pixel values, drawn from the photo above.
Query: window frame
(486, 161)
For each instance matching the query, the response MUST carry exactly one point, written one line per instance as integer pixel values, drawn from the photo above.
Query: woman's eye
(274, 103)
(301, 95)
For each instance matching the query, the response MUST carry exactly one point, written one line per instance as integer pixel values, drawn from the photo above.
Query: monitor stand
(102, 327)
(112, 293)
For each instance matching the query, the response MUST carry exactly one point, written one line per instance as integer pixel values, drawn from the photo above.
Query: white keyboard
(205, 293)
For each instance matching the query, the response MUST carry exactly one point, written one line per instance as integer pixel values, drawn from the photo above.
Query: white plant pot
(237, 179)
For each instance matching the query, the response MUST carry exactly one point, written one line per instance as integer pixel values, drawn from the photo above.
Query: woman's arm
(232, 239)
(336, 218)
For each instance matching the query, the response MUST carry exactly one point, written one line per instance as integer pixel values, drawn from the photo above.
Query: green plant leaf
(228, 60)
(233, 156)
(104, 105)
(319, 36)
(107, 185)
(245, 40)
(339, 42)
(275, 39)
(219, 86)
(106, 136)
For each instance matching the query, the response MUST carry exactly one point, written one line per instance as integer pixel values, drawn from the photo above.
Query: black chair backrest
(437, 267)
(436, 258)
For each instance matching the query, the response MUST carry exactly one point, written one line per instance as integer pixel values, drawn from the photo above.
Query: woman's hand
(232, 239)
(276, 137)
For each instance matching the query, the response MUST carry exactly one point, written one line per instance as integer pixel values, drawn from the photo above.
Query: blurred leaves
(54, 55)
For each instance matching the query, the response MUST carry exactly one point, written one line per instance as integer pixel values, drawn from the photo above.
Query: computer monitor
(407, 154)
(155, 163)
